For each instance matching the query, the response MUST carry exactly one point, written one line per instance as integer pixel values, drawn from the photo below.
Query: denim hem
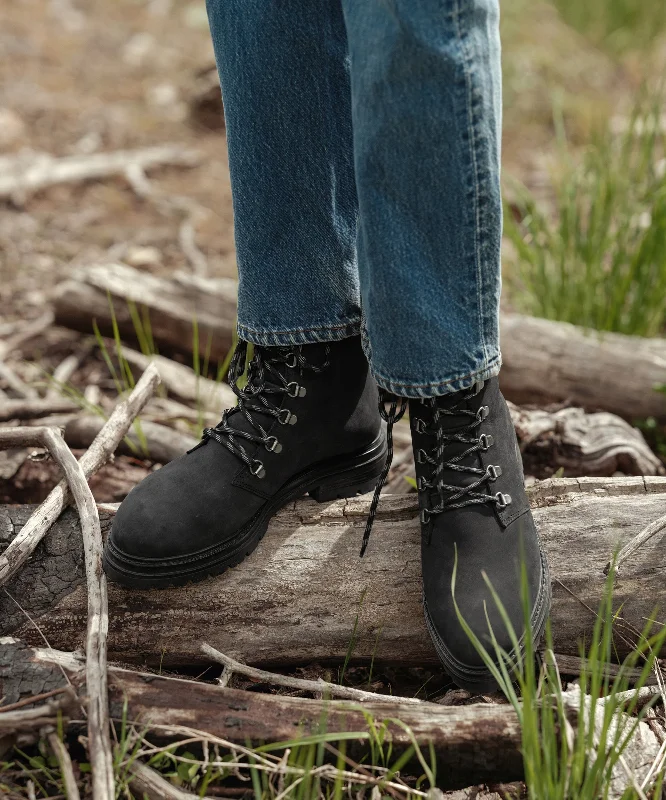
(436, 388)
(325, 333)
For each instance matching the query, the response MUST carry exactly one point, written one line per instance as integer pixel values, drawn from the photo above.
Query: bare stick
(25, 174)
(320, 686)
(147, 782)
(98, 610)
(61, 374)
(65, 763)
(42, 716)
(104, 445)
(631, 547)
(12, 380)
(26, 332)
(35, 408)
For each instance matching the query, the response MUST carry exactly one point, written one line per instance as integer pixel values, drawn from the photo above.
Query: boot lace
(450, 496)
(391, 409)
(263, 391)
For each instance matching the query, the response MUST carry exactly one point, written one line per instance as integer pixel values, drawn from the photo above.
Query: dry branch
(154, 441)
(320, 686)
(172, 305)
(183, 382)
(547, 362)
(65, 763)
(296, 598)
(147, 782)
(26, 174)
(473, 743)
(98, 606)
(102, 448)
(35, 408)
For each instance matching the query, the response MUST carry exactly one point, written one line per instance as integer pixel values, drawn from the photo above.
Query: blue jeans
(364, 151)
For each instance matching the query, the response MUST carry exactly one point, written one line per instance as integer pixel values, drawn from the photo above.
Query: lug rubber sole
(479, 680)
(337, 478)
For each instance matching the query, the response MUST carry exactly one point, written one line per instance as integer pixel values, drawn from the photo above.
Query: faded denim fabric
(364, 150)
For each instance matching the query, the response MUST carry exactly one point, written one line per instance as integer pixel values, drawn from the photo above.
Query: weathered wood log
(295, 599)
(173, 307)
(547, 362)
(472, 743)
(581, 444)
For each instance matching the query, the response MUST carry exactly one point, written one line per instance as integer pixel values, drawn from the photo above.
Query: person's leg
(426, 110)
(307, 417)
(285, 82)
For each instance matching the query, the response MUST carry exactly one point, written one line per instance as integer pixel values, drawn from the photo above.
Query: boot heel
(333, 491)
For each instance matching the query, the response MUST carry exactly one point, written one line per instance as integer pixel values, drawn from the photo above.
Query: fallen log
(581, 444)
(172, 306)
(296, 598)
(546, 362)
(472, 743)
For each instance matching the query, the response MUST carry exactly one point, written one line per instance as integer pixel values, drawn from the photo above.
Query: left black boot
(474, 510)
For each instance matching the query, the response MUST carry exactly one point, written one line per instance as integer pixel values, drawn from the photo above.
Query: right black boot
(306, 421)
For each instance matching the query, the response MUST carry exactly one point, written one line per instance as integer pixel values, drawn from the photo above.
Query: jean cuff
(324, 333)
(439, 387)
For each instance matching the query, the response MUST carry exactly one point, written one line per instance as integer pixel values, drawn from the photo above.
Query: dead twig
(26, 332)
(65, 763)
(35, 408)
(647, 533)
(21, 175)
(191, 211)
(98, 611)
(104, 445)
(9, 376)
(320, 686)
(147, 782)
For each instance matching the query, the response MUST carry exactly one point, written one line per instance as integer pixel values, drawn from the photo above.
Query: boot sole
(479, 680)
(330, 480)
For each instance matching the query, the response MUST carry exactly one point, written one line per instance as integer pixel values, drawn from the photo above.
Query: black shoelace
(265, 381)
(396, 411)
(450, 496)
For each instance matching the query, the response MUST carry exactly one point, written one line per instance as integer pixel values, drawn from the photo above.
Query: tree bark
(474, 743)
(296, 598)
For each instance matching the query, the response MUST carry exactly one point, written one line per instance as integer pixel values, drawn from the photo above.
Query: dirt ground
(108, 76)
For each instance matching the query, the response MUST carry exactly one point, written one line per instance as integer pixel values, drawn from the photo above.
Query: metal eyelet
(288, 361)
(285, 417)
(272, 445)
(486, 441)
(421, 456)
(419, 425)
(421, 484)
(502, 500)
(493, 472)
(257, 469)
(425, 516)
(482, 413)
(294, 390)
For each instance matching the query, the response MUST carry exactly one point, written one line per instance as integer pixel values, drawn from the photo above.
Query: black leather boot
(473, 505)
(306, 421)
